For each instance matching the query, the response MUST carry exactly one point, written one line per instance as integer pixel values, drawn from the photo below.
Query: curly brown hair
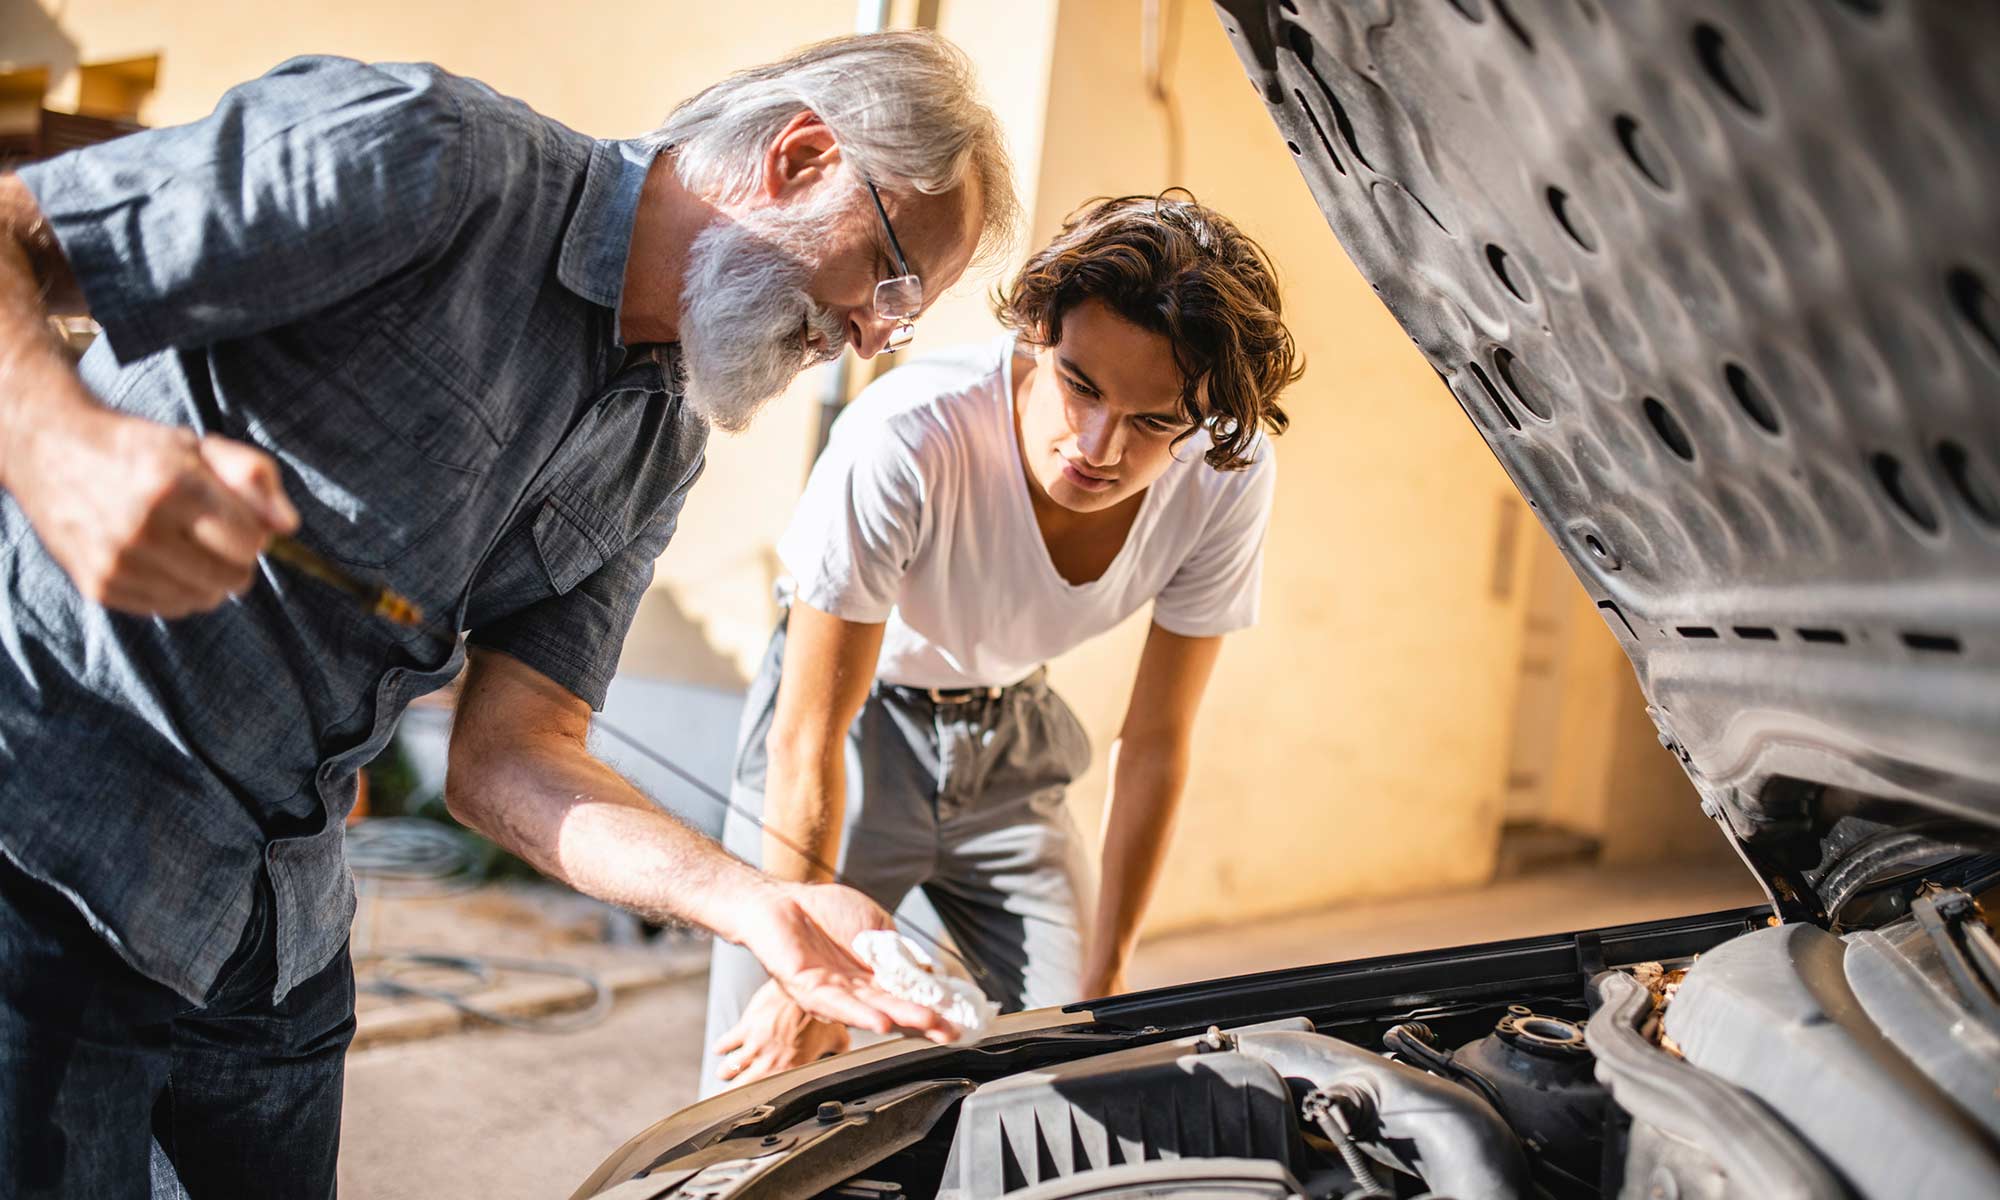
(1183, 271)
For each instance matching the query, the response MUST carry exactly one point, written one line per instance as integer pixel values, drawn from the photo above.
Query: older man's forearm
(577, 820)
(35, 376)
(573, 817)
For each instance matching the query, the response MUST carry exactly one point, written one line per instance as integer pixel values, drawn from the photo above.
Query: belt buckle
(962, 695)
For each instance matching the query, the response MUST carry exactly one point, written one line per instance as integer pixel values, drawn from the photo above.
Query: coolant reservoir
(1539, 1070)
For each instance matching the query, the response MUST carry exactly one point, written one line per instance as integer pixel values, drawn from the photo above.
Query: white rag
(903, 970)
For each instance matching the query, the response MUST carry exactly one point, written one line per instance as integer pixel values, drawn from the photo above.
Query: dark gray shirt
(405, 288)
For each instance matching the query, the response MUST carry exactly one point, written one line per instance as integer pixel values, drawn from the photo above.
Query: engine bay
(1786, 1061)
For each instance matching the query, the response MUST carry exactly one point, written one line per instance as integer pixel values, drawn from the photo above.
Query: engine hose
(1414, 1040)
(1458, 1144)
(1755, 1151)
(1319, 1107)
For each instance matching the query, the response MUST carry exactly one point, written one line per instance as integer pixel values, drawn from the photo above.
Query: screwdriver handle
(378, 600)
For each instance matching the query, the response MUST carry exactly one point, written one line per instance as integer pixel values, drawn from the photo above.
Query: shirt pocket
(634, 453)
(615, 482)
(422, 392)
(570, 542)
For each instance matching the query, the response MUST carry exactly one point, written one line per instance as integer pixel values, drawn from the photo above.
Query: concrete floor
(504, 1114)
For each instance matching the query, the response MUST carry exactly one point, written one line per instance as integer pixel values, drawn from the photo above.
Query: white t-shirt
(918, 515)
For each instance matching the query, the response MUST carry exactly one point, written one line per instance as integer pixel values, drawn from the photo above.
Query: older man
(451, 346)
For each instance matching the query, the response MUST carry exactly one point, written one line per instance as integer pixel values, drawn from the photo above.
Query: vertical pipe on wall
(1156, 19)
(870, 16)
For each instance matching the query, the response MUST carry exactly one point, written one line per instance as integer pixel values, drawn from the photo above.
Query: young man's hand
(146, 518)
(775, 1035)
(801, 936)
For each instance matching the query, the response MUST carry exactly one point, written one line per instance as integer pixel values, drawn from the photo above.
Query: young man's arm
(520, 773)
(1149, 768)
(145, 518)
(829, 666)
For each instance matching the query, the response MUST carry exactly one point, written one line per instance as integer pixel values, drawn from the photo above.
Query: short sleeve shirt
(404, 287)
(918, 516)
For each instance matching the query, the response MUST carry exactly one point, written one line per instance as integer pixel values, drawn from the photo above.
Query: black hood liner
(1719, 283)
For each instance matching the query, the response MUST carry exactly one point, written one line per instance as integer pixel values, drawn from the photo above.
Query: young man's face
(1102, 411)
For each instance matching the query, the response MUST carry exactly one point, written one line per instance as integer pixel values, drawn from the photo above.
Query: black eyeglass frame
(905, 320)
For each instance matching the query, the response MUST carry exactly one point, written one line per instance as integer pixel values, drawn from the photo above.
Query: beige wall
(608, 67)
(1609, 776)
(1355, 744)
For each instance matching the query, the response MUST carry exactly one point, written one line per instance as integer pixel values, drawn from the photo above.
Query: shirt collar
(599, 238)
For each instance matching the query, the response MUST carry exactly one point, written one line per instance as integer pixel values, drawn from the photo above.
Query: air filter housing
(1193, 1098)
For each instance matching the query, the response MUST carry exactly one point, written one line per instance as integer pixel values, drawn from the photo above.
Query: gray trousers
(961, 799)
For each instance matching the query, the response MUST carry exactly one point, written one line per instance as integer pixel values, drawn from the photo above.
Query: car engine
(1787, 1062)
(1728, 1056)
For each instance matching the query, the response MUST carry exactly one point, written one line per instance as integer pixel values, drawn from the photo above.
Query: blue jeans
(113, 1085)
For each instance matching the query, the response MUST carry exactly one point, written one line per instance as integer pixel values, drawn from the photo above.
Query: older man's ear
(803, 155)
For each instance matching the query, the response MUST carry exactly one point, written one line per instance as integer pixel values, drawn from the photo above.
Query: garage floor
(505, 1114)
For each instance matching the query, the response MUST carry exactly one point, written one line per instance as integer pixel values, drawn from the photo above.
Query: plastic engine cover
(1179, 1099)
(1773, 1012)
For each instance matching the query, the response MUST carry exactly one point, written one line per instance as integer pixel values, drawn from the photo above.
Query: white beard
(745, 313)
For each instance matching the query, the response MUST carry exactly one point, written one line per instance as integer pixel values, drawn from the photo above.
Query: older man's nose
(869, 334)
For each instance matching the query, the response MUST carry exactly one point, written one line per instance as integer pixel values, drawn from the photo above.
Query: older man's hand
(801, 935)
(146, 518)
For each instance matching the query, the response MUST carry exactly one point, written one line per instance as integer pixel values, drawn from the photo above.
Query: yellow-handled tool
(381, 601)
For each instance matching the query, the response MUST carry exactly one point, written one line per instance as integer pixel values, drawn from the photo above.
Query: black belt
(961, 695)
(967, 695)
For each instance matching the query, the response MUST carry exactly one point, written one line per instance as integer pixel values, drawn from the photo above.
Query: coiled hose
(407, 854)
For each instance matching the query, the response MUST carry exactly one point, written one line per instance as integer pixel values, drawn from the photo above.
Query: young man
(452, 345)
(975, 515)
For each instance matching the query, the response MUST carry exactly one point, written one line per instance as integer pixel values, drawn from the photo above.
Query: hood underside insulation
(1720, 285)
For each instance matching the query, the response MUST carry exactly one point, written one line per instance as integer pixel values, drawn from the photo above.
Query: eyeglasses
(901, 297)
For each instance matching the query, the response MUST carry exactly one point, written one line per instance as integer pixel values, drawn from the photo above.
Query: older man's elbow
(460, 795)
(474, 776)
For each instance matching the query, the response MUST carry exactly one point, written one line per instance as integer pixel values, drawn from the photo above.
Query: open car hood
(1720, 286)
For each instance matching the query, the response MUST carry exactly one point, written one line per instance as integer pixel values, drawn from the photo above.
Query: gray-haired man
(448, 343)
